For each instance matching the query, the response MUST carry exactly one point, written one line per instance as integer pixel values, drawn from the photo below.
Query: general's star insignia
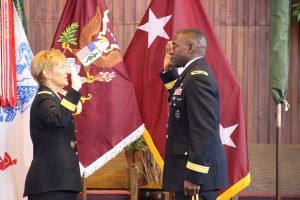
(155, 27)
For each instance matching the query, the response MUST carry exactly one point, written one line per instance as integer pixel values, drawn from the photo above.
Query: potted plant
(152, 189)
(149, 176)
(134, 151)
(151, 171)
(138, 156)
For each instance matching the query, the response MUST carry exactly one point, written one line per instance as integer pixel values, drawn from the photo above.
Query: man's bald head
(197, 38)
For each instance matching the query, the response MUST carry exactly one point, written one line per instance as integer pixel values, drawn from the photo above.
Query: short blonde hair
(47, 59)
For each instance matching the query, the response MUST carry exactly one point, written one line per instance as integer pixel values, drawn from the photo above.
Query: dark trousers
(207, 195)
(55, 195)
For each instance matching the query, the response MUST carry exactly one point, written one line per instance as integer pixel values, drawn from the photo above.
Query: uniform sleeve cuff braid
(71, 99)
(67, 104)
(197, 168)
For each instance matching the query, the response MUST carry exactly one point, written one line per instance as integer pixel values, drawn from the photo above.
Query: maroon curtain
(144, 61)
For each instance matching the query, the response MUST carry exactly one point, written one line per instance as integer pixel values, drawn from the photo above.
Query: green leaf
(68, 35)
(296, 11)
(137, 145)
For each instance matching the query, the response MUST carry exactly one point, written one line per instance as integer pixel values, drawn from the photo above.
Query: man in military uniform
(195, 163)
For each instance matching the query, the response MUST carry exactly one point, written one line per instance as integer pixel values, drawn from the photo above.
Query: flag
(88, 54)
(15, 144)
(279, 49)
(19, 5)
(144, 61)
(110, 119)
(8, 85)
(279, 68)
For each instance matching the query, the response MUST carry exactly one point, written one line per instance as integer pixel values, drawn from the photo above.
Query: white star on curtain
(155, 27)
(225, 134)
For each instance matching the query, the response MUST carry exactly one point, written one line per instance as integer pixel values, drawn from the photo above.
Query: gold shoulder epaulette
(45, 92)
(199, 72)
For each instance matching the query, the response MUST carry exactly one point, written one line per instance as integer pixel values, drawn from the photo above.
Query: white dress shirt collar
(187, 64)
(180, 70)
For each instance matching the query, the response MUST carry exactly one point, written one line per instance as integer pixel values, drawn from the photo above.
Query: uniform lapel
(185, 72)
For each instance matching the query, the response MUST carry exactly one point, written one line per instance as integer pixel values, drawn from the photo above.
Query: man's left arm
(202, 109)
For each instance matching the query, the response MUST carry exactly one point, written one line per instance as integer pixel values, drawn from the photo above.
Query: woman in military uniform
(54, 172)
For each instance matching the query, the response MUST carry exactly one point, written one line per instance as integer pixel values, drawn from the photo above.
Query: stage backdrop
(242, 27)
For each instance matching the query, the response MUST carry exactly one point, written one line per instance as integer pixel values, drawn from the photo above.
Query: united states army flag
(15, 143)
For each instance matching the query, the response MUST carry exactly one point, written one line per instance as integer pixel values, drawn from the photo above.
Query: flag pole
(279, 70)
(83, 187)
(278, 157)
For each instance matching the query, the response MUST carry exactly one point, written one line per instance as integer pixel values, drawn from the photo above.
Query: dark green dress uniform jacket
(194, 150)
(55, 164)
